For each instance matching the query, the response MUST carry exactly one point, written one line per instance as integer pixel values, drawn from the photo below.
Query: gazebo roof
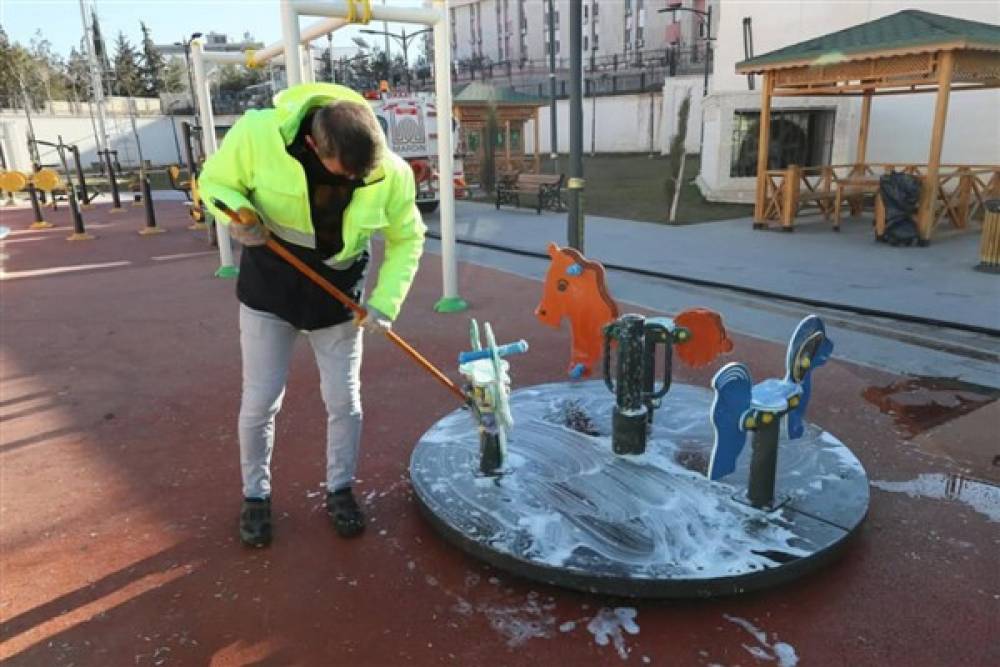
(484, 93)
(907, 32)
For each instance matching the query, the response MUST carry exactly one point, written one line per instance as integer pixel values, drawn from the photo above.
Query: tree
(10, 85)
(78, 75)
(152, 64)
(174, 76)
(675, 165)
(235, 78)
(128, 72)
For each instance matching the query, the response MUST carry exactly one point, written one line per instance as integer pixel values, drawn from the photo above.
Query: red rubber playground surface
(120, 488)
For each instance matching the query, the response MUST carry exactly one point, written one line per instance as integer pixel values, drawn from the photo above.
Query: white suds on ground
(983, 498)
(608, 624)
(780, 651)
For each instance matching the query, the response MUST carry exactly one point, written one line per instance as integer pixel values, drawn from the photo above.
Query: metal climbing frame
(295, 40)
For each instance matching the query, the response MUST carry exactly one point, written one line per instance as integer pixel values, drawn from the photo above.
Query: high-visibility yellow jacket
(253, 169)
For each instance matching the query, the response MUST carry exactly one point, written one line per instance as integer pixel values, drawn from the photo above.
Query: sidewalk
(848, 268)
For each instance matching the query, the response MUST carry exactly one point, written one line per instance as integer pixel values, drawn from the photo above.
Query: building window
(628, 7)
(595, 8)
(596, 41)
(803, 137)
(586, 44)
(586, 12)
(628, 38)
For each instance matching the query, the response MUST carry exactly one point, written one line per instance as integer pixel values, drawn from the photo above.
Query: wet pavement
(119, 487)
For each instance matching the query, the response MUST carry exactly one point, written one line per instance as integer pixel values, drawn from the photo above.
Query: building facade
(517, 31)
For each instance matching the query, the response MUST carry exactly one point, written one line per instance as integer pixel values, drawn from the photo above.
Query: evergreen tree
(128, 73)
(174, 77)
(78, 74)
(10, 90)
(152, 64)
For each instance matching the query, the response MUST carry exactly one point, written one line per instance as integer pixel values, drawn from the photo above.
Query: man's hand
(251, 232)
(373, 321)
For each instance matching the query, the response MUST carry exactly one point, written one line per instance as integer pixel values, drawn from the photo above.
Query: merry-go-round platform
(566, 510)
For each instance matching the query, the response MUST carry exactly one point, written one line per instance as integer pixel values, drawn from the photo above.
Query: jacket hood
(292, 104)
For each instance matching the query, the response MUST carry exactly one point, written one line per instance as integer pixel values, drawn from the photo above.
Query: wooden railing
(960, 194)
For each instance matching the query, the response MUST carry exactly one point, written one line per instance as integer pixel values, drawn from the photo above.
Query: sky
(168, 20)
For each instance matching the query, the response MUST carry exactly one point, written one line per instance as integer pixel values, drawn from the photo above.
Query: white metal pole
(290, 36)
(307, 35)
(338, 8)
(96, 81)
(227, 268)
(308, 73)
(450, 300)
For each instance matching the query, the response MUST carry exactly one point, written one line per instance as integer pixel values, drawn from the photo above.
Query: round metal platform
(567, 511)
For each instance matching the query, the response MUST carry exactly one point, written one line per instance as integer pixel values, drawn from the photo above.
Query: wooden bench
(547, 189)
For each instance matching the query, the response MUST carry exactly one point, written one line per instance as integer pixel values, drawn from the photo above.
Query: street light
(706, 20)
(404, 40)
(187, 65)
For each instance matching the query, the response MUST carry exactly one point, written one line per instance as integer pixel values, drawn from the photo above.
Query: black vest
(270, 284)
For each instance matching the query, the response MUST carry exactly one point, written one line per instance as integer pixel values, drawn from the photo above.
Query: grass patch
(632, 187)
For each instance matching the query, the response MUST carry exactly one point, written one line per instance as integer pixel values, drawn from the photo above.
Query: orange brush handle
(358, 310)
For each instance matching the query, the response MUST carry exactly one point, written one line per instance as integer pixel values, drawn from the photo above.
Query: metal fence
(527, 74)
(616, 74)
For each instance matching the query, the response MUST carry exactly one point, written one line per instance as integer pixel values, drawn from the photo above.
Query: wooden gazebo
(513, 110)
(907, 52)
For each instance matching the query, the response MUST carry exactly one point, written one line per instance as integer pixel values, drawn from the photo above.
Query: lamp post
(187, 66)
(706, 20)
(404, 40)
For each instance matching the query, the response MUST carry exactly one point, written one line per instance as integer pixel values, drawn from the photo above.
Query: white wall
(715, 181)
(901, 128)
(155, 134)
(900, 124)
(623, 125)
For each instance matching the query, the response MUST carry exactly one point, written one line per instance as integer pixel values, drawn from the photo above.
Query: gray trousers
(267, 342)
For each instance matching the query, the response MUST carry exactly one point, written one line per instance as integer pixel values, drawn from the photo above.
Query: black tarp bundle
(901, 196)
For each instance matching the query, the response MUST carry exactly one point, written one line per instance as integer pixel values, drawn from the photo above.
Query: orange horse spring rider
(576, 288)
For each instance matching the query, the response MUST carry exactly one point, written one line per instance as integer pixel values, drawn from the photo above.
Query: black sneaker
(255, 522)
(344, 513)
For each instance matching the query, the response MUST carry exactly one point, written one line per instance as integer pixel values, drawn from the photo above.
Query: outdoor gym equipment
(48, 180)
(11, 182)
(111, 162)
(348, 302)
(15, 181)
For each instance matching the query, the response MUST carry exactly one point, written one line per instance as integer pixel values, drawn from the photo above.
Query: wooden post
(859, 162)
(506, 142)
(866, 113)
(760, 201)
(964, 197)
(928, 194)
(538, 154)
(790, 196)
